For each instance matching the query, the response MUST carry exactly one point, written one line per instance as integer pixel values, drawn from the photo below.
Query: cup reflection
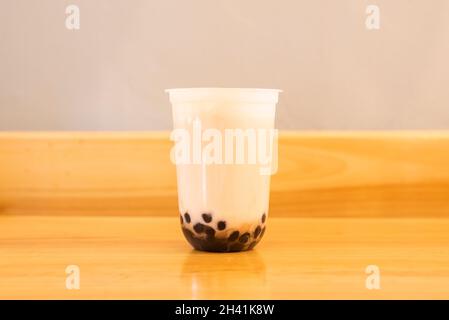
(225, 276)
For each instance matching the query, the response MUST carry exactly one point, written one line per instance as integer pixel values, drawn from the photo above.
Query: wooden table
(341, 202)
(147, 257)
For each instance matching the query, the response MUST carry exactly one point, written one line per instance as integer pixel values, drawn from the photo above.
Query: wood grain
(332, 174)
(146, 257)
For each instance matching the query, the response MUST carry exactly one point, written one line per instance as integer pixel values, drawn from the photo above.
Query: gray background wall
(336, 74)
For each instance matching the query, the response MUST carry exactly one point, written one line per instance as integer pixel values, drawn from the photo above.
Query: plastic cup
(225, 152)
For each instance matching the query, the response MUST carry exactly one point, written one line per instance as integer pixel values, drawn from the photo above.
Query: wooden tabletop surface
(148, 258)
(341, 204)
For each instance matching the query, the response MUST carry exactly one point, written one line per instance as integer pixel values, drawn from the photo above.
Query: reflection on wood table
(147, 257)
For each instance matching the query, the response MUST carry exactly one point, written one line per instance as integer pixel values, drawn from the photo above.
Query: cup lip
(257, 95)
(221, 89)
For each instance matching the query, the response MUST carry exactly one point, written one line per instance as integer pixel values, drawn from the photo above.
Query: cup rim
(221, 89)
(257, 95)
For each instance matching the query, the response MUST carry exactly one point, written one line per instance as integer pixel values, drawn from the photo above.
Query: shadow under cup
(225, 152)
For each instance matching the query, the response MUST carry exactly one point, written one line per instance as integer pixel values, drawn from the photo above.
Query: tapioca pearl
(187, 217)
(263, 231)
(210, 232)
(189, 234)
(207, 217)
(221, 225)
(194, 241)
(252, 245)
(234, 235)
(264, 217)
(219, 247)
(199, 227)
(244, 237)
(257, 231)
(236, 247)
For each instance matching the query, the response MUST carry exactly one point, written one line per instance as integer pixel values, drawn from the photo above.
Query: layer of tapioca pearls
(210, 235)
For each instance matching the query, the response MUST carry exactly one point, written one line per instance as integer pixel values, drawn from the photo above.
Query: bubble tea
(225, 152)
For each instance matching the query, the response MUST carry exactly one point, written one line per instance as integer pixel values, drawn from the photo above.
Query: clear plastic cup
(225, 152)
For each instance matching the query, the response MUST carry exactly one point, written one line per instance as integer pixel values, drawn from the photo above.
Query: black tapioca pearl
(264, 217)
(187, 217)
(194, 241)
(215, 246)
(222, 247)
(197, 244)
(236, 247)
(207, 217)
(210, 232)
(199, 227)
(244, 237)
(221, 225)
(257, 231)
(182, 220)
(189, 234)
(252, 245)
(234, 236)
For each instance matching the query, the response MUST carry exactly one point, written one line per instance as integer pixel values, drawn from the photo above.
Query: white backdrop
(335, 73)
